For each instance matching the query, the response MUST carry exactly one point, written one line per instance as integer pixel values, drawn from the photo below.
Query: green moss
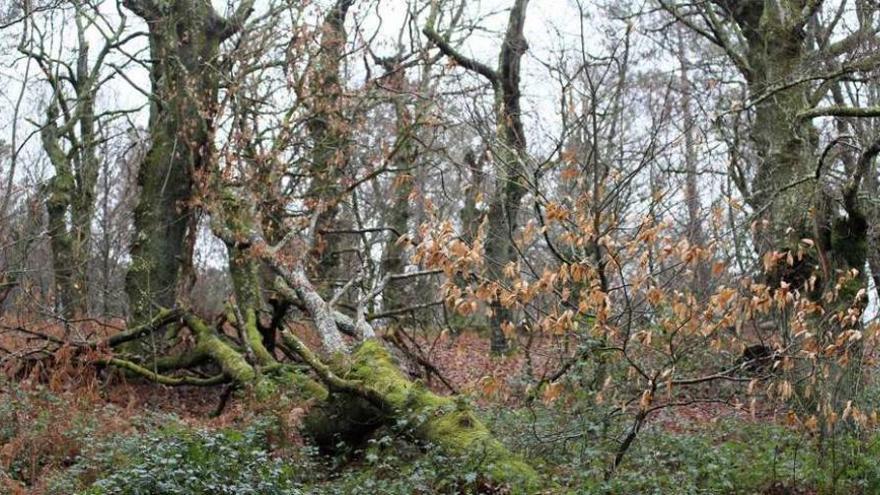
(231, 361)
(308, 387)
(303, 386)
(441, 421)
(255, 338)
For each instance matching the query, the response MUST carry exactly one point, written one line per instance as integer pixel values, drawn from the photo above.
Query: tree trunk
(787, 192)
(695, 234)
(184, 44)
(444, 422)
(510, 156)
(328, 133)
(786, 143)
(509, 153)
(405, 156)
(70, 194)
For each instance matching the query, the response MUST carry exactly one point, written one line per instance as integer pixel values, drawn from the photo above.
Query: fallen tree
(364, 387)
(357, 391)
(354, 382)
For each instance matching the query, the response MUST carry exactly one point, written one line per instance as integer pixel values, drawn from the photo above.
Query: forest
(313, 247)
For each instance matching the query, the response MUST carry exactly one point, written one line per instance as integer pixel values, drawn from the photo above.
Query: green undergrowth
(569, 446)
(171, 458)
(728, 456)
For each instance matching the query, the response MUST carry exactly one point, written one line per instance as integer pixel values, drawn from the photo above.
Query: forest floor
(53, 434)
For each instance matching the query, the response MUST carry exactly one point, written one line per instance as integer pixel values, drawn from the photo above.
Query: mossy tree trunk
(184, 45)
(769, 43)
(185, 38)
(70, 140)
(778, 47)
(368, 390)
(785, 143)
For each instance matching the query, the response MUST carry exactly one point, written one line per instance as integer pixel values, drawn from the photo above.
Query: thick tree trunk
(786, 191)
(184, 43)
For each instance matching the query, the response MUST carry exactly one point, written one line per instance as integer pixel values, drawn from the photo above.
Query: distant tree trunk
(470, 214)
(327, 129)
(509, 154)
(70, 193)
(404, 159)
(695, 234)
(394, 254)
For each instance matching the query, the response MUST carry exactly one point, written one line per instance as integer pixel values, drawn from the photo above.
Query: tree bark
(328, 133)
(405, 157)
(185, 37)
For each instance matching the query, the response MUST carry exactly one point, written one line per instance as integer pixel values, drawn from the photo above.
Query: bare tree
(509, 154)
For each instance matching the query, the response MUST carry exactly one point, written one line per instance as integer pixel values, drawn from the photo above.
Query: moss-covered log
(363, 388)
(232, 362)
(373, 392)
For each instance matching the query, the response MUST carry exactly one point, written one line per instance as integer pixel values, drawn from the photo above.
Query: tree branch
(164, 379)
(460, 59)
(837, 111)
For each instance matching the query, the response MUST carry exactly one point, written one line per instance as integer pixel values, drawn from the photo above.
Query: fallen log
(370, 391)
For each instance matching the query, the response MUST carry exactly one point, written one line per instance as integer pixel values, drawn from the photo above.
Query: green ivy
(176, 460)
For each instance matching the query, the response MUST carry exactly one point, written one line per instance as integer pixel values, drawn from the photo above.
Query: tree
(328, 130)
(72, 149)
(509, 154)
(790, 64)
(185, 38)
(810, 229)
